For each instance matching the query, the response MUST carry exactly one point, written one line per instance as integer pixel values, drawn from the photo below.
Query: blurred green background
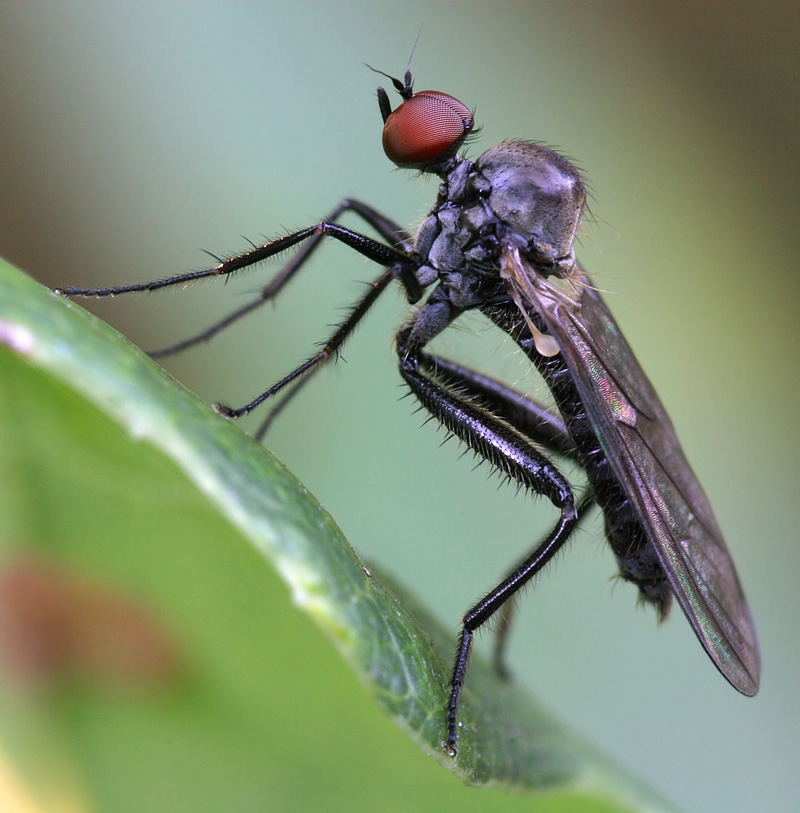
(134, 135)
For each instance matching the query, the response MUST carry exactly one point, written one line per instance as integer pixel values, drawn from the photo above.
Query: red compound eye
(425, 127)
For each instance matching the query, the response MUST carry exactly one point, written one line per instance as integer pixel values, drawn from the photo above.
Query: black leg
(539, 423)
(481, 612)
(506, 615)
(394, 257)
(536, 420)
(507, 611)
(386, 228)
(456, 398)
(372, 249)
(277, 408)
(329, 348)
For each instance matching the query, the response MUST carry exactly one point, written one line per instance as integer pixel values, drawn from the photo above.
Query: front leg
(507, 447)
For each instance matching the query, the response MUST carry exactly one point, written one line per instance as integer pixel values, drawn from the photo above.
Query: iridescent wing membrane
(643, 450)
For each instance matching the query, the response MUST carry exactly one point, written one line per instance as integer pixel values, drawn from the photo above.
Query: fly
(499, 240)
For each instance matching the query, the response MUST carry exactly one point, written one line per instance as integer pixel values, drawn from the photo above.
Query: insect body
(499, 240)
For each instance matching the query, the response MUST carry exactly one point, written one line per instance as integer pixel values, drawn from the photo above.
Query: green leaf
(398, 651)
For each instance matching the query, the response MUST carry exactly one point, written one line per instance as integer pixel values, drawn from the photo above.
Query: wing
(643, 450)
